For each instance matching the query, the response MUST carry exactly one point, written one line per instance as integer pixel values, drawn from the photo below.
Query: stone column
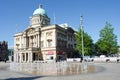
(17, 56)
(29, 42)
(33, 41)
(25, 56)
(28, 57)
(20, 59)
(24, 42)
(38, 40)
(31, 57)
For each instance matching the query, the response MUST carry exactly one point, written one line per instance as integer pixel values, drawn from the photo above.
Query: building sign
(50, 53)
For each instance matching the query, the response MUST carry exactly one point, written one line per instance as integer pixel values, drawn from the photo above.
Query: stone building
(3, 50)
(43, 41)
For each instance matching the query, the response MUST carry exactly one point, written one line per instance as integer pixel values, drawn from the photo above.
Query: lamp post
(84, 65)
(81, 21)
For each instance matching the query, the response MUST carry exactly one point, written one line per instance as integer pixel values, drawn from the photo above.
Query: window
(49, 34)
(49, 42)
(17, 39)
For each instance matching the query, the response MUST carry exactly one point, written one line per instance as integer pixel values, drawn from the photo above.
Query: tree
(107, 43)
(88, 43)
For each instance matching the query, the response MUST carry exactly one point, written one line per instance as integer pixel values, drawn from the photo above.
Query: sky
(15, 14)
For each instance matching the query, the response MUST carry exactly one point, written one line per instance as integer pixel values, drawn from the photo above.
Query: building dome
(40, 10)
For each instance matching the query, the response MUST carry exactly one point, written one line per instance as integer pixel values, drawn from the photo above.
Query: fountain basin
(53, 68)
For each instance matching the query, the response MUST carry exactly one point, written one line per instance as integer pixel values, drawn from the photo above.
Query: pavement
(104, 71)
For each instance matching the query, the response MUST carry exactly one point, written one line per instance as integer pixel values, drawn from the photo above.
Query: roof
(40, 11)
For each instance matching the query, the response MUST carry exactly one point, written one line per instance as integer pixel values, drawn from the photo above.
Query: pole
(81, 21)
(84, 65)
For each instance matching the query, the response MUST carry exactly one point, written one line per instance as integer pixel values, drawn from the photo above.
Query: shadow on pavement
(24, 78)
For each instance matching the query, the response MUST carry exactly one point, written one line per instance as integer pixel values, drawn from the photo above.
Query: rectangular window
(49, 43)
(17, 39)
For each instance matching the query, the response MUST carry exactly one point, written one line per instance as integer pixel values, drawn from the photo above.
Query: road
(106, 71)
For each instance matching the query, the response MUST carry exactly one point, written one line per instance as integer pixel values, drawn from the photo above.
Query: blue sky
(14, 15)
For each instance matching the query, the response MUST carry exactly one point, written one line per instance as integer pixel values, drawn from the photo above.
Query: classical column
(38, 40)
(25, 57)
(24, 42)
(30, 43)
(33, 41)
(17, 57)
(31, 57)
(20, 59)
(28, 57)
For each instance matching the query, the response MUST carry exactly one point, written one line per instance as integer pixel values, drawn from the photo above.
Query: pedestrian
(81, 59)
(118, 60)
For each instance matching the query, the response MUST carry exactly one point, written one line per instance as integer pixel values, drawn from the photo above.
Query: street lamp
(84, 65)
(81, 21)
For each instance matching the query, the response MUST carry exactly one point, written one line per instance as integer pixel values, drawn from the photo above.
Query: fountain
(52, 68)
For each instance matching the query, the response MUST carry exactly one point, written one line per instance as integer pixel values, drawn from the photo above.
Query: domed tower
(39, 18)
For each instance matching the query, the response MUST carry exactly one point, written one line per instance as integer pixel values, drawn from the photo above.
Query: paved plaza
(106, 71)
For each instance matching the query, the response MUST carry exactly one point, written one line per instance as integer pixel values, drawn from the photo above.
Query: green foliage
(107, 44)
(88, 42)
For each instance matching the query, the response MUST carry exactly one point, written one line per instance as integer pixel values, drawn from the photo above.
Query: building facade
(43, 41)
(3, 51)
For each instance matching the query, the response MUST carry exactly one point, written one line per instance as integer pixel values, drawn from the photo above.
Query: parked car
(88, 59)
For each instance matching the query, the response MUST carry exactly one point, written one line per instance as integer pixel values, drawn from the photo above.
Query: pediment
(30, 31)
